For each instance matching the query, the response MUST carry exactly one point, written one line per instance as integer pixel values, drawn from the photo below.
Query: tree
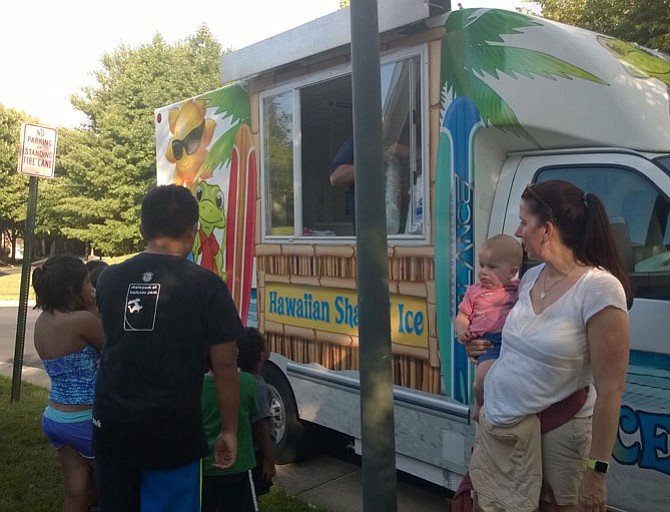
(14, 187)
(108, 167)
(645, 22)
(74, 200)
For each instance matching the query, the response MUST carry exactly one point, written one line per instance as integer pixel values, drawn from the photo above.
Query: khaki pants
(564, 450)
(506, 466)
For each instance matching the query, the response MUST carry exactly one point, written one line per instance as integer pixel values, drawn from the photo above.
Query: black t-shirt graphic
(141, 306)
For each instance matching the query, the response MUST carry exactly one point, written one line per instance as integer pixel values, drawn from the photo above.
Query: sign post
(37, 159)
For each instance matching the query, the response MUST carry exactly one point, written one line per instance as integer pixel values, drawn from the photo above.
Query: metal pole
(377, 427)
(23, 294)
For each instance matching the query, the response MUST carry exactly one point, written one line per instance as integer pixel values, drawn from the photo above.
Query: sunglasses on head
(190, 143)
(530, 192)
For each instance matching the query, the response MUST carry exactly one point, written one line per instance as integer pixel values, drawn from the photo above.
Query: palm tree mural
(233, 102)
(475, 39)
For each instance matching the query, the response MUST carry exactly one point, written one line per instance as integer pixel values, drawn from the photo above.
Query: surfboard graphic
(241, 220)
(454, 244)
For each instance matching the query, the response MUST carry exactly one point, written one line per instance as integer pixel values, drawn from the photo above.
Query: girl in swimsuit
(68, 339)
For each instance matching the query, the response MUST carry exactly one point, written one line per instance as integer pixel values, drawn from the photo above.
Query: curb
(36, 376)
(14, 303)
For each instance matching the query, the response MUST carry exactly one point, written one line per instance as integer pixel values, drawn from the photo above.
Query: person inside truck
(567, 341)
(342, 174)
(486, 304)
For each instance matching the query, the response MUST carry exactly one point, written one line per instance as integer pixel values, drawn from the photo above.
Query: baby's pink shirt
(487, 308)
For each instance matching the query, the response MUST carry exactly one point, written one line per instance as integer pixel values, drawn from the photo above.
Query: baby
(485, 306)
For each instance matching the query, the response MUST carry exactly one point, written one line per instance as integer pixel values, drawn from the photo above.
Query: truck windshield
(663, 162)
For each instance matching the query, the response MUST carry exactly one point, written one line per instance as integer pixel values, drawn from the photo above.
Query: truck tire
(291, 435)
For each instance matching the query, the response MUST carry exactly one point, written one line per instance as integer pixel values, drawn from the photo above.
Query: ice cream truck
(476, 105)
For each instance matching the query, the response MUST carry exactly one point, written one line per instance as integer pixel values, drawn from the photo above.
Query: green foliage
(233, 101)
(278, 501)
(646, 22)
(13, 186)
(31, 476)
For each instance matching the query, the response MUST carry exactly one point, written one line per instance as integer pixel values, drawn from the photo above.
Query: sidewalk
(336, 486)
(35, 376)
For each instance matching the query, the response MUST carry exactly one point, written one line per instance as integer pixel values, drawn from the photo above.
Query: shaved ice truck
(483, 102)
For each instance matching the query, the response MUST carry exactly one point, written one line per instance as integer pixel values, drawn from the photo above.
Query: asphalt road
(8, 321)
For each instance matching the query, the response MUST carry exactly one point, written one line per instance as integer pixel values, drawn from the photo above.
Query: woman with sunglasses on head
(552, 399)
(68, 339)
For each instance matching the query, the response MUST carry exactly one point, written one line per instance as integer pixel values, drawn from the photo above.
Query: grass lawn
(31, 477)
(10, 285)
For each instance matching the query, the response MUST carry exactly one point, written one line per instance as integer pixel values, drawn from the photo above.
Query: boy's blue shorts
(127, 489)
(494, 352)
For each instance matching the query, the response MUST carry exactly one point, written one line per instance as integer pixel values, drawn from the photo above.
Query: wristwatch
(599, 466)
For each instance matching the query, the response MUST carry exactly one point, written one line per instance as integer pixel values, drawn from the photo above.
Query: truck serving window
(639, 210)
(302, 130)
(278, 162)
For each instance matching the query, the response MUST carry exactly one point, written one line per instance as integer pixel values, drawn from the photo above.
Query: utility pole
(376, 371)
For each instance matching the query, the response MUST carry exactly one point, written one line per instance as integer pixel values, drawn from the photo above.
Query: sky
(49, 49)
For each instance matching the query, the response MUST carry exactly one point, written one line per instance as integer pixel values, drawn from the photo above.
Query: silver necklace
(545, 290)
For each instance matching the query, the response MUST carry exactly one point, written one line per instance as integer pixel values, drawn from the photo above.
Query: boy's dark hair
(168, 211)
(95, 268)
(57, 283)
(250, 348)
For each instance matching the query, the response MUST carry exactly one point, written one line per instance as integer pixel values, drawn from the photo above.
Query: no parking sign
(37, 153)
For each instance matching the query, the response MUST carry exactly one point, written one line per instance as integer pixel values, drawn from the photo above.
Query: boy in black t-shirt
(160, 312)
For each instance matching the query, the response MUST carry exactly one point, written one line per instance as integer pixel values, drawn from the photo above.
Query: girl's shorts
(72, 428)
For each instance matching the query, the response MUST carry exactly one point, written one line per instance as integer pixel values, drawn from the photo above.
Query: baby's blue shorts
(494, 352)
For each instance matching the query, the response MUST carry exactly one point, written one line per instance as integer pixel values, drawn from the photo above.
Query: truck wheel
(291, 436)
